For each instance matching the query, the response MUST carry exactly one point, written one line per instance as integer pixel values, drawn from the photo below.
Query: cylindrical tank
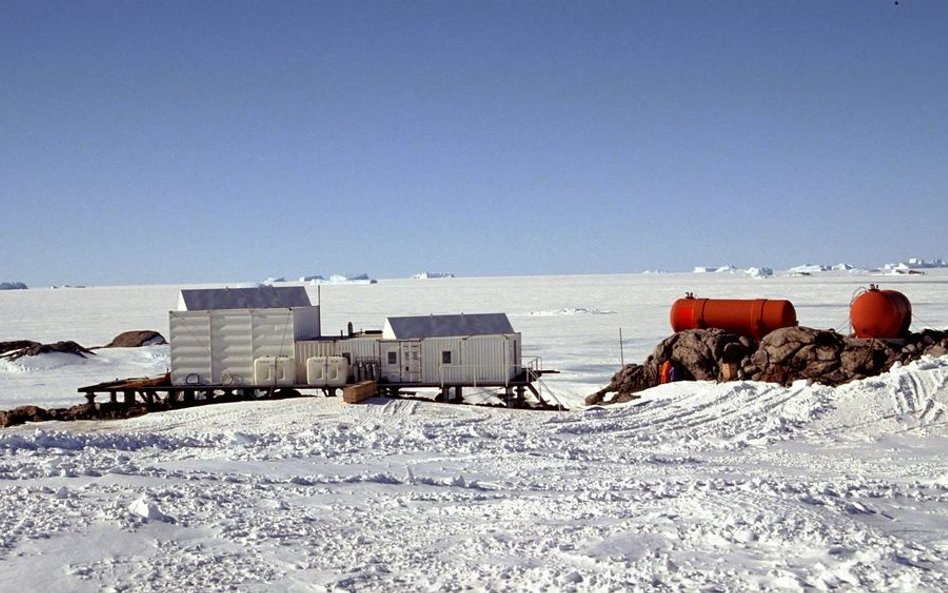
(880, 314)
(754, 318)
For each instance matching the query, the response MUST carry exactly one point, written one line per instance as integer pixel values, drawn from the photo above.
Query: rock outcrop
(25, 414)
(136, 339)
(783, 356)
(697, 354)
(29, 348)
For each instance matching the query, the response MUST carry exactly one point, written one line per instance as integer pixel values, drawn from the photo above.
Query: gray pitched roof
(436, 326)
(258, 297)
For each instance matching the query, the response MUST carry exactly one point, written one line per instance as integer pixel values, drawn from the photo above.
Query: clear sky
(207, 141)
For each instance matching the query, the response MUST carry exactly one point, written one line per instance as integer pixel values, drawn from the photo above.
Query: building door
(410, 360)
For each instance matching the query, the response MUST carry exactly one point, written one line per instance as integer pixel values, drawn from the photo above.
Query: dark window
(445, 357)
(393, 357)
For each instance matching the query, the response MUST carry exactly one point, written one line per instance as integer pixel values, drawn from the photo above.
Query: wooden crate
(358, 392)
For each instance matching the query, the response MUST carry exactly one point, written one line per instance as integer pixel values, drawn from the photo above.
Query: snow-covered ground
(697, 487)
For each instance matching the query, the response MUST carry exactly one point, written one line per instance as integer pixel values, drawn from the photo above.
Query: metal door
(410, 360)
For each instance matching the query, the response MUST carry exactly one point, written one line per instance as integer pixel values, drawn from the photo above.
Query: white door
(410, 361)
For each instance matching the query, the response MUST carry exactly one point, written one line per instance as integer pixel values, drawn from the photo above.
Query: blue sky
(175, 142)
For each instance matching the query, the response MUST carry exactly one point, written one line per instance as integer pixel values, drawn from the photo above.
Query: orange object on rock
(880, 314)
(666, 372)
(754, 318)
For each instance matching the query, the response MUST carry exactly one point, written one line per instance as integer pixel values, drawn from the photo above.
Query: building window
(445, 357)
(392, 357)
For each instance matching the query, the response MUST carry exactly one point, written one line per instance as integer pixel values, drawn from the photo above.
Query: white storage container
(326, 371)
(316, 371)
(274, 370)
(338, 371)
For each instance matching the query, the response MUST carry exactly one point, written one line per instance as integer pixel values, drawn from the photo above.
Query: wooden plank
(359, 392)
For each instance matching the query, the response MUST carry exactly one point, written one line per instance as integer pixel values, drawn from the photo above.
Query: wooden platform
(158, 393)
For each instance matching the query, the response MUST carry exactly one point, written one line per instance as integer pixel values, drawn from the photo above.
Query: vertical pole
(621, 349)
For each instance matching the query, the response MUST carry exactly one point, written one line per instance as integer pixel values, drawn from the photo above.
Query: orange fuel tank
(880, 314)
(754, 318)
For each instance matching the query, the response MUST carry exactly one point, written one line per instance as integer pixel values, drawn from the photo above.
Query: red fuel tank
(754, 318)
(880, 314)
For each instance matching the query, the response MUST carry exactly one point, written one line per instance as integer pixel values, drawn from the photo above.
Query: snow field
(698, 487)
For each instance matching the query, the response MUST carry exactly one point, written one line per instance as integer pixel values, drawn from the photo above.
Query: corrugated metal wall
(488, 358)
(362, 352)
(232, 347)
(219, 347)
(190, 335)
(306, 323)
(432, 368)
(360, 347)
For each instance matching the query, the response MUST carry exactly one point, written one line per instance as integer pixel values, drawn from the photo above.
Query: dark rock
(68, 347)
(16, 345)
(783, 356)
(22, 415)
(136, 339)
(698, 354)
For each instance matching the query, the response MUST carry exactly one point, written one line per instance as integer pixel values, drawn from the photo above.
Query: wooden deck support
(160, 394)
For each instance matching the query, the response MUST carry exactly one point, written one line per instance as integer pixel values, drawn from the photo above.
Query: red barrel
(880, 314)
(754, 318)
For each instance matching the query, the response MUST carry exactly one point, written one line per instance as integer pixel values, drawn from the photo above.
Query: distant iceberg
(752, 272)
(13, 286)
(923, 263)
(427, 275)
(901, 268)
(915, 263)
(807, 269)
(313, 278)
(345, 279)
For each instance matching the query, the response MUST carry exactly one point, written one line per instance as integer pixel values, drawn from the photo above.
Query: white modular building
(271, 336)
(240, 336)
(459, 349)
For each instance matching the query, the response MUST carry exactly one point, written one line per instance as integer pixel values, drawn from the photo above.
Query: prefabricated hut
(271, 336)
(239, 336)
(460, 349)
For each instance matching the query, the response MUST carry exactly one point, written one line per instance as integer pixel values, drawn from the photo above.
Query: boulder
(136, 339)
(22, 415)
(698, 354)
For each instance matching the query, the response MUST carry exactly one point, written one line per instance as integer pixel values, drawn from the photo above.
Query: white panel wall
(306, 323)
(490, 358)
(190, 335)
(432, 369)
(272, 332)
(360, 347)
(232, 351)
(219, 347)
(363, 355)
